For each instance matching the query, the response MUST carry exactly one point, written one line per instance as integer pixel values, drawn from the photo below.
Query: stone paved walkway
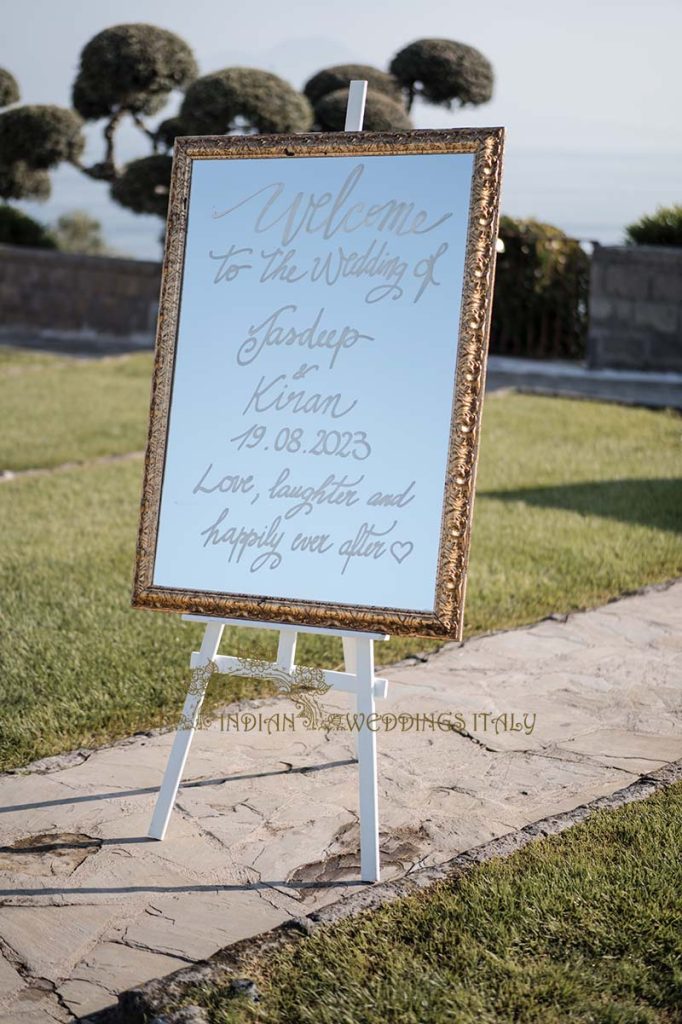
(266, 824)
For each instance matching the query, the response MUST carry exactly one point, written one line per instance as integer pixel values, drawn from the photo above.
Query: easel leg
(286, 649)
(183, 739)
(350, 654)
(359, 658)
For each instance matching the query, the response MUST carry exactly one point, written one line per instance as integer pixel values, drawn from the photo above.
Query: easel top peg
(283, 627)
(355, 110)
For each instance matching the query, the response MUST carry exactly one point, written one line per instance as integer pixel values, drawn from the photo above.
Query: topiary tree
(133, 69)
(381, 113)
(244, 99)
(16, 228)
(79, 232)
(341, 75)
(129, 71)
(443, 72)
(661, 228)
(32, 140)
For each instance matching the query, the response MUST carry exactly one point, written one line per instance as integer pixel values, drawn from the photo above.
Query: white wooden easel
(358, 677)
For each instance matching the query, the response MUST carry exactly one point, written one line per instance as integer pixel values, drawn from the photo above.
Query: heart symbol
(400, 549)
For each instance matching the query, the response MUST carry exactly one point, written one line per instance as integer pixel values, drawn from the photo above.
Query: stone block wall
(636, 308)
(97, 302)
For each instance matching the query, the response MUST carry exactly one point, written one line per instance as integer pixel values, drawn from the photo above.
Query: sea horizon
(591, 196)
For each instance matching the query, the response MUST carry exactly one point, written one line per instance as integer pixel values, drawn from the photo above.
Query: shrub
(244, 98)
(79, 232)
(381, 113)
(661, 228)
(540, 303)
(16, 228)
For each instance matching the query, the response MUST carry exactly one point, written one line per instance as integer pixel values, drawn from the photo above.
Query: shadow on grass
(655, 503)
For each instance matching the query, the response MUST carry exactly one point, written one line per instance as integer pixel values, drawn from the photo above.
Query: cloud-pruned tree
(30, 142)
(443, 72)
(129, 70)
(132, 70)
(34, 139)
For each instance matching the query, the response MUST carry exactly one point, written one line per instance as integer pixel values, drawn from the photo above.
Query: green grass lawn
(583, 927)
(56, 409)
(577, 503)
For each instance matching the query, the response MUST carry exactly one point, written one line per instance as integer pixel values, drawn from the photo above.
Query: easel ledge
(346, 681)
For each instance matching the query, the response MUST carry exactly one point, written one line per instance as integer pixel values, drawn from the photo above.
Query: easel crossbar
(345, 682)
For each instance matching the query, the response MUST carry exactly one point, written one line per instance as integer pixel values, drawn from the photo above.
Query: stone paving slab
(266, 825)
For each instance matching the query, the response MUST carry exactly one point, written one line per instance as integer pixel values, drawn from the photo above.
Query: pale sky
(590, 92)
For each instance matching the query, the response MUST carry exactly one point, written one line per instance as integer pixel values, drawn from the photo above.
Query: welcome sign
(319, 374)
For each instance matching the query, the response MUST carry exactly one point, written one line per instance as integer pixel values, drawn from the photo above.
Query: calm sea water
(589, 195)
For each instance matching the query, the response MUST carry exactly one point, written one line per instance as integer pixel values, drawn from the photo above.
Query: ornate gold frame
(446, 620)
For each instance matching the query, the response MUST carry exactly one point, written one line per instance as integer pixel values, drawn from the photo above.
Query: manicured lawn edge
(226, 967)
